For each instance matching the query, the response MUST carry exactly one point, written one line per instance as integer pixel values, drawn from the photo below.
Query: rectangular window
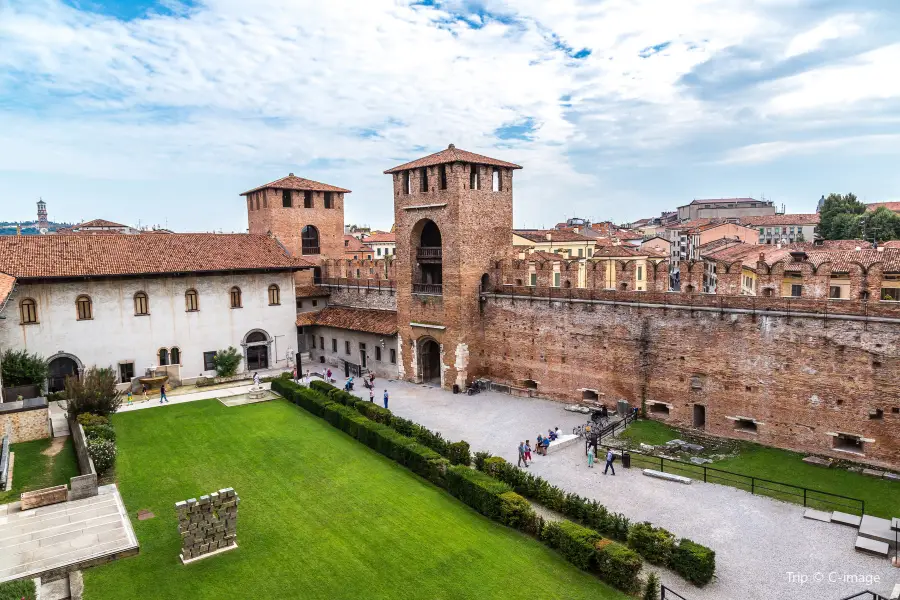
(333, 345)
(347, 347)
(556, 279)
(890, 294)
(209, 361)
(312, 342)
(307, 199)
(315, 302)
(834, 291)
(265, 199)
(378, 251)
(443, 172)
(322, 342)
(590, 252)
(473, 177)
(580, 252)
(407, 183)
(328, 201)
(496, 182)
(533, 279)
(378, 353)
(126, 372)
(423, 179)
(640, 273)
(286, 198)
(393, 356)
(299, 303)
(796, 290)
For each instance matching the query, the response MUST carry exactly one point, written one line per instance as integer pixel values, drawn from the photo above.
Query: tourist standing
(522, 458)
(372, 395)
(144, 391)
(527, 450)
(590, 454)
(306, 379)
(296, 379)
(130, 399)
(385, 398)
(162, 394)
(610, 457)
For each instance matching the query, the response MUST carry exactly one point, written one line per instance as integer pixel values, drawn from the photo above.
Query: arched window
(309, 239)
(29, 311)
(256, 337)
(163, 356)
(141, 304)
(175, 356)
(191, 301)
(236, 297)
(84, 308)
(274, 295)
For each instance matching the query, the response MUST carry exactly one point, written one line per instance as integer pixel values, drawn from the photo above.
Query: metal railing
(667, 594)
(361, 284)
(428, 289)
(429, 252)
(310, 250)
(867, 595)
(762, 487)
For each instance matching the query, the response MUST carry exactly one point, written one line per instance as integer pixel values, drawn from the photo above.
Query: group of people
(145, 398)
(610, 458)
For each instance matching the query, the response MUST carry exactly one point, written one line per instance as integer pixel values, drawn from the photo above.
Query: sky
(162, 112)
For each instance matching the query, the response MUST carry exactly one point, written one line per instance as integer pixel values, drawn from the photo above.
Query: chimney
(798, 256)
(549, 237)
(762, 257)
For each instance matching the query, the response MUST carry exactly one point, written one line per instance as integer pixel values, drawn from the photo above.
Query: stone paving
(52, 537)
(222, 394)
(765, 549)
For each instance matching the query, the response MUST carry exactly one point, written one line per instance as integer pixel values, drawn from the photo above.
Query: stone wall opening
(430, 357)
(849, 443)
(746, 425)
(699, 416)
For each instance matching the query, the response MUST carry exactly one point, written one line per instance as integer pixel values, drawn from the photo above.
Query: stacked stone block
(208, 524)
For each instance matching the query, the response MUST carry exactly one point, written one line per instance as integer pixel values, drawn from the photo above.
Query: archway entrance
(60, 368)
(430, 360)
(257, 345)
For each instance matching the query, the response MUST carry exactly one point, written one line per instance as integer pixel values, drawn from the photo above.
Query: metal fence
(867, 595)
(667, 594)
(360, 284)
(763, 487)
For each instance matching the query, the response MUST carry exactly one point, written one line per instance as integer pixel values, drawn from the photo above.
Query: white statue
(256, 380)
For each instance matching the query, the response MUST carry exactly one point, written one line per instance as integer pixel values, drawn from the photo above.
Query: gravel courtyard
(765, 549)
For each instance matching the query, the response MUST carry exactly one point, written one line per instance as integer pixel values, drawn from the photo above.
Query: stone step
(845, 519)
(668, 476)
(870, 546)
(817, 515)
(896, 593)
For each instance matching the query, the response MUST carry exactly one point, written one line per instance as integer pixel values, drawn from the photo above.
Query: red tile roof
(311, 291)
(894, 206)
(890, 244)
(379, 322)
(450, 155)
(292, 182)
(768, 220)
(540, 235)
(99, 223)
(724, 200)
(381, 238)
(352, 244)
(7, 282)
(49, 256)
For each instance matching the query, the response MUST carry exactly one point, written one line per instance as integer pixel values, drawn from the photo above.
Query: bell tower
(43, 222)
(453, 215)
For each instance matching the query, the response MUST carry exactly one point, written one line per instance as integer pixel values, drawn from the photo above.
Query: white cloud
(835, 28)
(772, 151)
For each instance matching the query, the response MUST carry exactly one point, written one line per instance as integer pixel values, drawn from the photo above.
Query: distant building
(355, 249)
(383, 244)
(566, 244)
(784, 229)
(892, 206)
(687, 238)
(97, 227)
(43, 223)
(725, 208)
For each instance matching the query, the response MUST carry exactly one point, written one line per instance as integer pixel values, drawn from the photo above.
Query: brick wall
(800, 378)
(287, 223)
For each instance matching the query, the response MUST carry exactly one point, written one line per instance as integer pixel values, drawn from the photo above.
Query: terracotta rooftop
(890, 244)
(450, 155)
(311, 291)
(730, 250)
(6, 285)
(379, 322)
(352, 244)
(381, 237)
(768, 220)
(543, 255)
(894, 206)
(50, 256)
(540, 235)
(292, 182)
(725, 200)
(693, 223)
(100, 223)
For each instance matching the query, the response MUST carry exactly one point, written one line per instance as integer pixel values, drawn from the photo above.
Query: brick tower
(43, 222)
(306, 216)
(453, 214)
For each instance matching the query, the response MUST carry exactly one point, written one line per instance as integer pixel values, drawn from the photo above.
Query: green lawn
(17, 590)
(882, 497)
(33, 470)
(321, 516)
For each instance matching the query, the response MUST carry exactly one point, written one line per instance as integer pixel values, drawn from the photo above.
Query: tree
(651, 590)
(882, 225)
(21, 368)
(838, 216)
(95, 392)
(227, 361)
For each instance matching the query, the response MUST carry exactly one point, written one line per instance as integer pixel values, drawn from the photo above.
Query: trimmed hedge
(653, 543)
(481, 492)
(588, 550)
(694, 562)
(573, 541)
(619, 566)
(458, 453)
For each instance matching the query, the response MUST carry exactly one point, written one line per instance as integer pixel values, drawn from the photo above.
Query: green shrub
(20, 368)
(694, 562)
(100, 432)
(516, 512)
(103, 453)
(618, 566)
(379, 414)
(56, 396)
(653, 543)
(651, 588)
(458, 453)
(227, 361)
(574, 542)
(94, 392)
(478, 490)
(89, 419)
(321, 386)
(480, 457)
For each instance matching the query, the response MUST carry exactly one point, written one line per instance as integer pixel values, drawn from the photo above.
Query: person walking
(372, 395)
(130, 398)
(162, 394)
(385, 398)
(522, 458)
(610, 458)
(144, 391)
(590, 454)
(527, 450)
(295, 376)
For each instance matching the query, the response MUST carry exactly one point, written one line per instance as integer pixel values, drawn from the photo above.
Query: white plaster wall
(116, 334)
(385, 247)
(383, 368)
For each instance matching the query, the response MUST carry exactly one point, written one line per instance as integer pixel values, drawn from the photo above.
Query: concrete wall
(84, 485)
(116, 334)
(382, 368)
(802, 378)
